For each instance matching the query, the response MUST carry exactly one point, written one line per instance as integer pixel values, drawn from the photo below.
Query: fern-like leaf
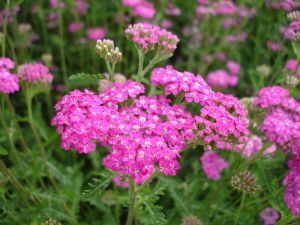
(157, 217)
(85, 76)
(99, 184)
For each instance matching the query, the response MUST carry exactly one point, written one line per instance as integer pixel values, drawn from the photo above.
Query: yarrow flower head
(35, 73)
(9, 83)
(6, 63)
(282, 123)
(292, 183)
(107, 50)
(221, 117)
(269, 216)
(213, 165)
(147, 132)
(147, 37)
(245, 181)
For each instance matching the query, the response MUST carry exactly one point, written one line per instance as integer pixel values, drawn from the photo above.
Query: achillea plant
(145, 134)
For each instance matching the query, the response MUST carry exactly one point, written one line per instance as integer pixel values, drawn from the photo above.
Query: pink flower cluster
(274, 46)
(292, 183)
(253, 145)
(286, 5)
(224, 79)
(96, 33)
(282, 123)
(293, 67)
(141, 8)
(35, 73)
(141, 131)
(221, 117)
(224, 8)
(269, 216)
(105, 83)
(213, 165)
(9, 83)
(146, 37)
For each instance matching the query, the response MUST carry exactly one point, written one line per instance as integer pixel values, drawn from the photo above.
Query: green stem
(156, 59)
(132, 197)
(62, 50)
(8, 133)
(112, 74)
(5, 29)
(141, 63)
(237, 217)
(29, 96)
(11, 108)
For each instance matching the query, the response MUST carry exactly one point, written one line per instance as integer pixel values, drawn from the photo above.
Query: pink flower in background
(222, 79)
(233, 67)
(172, 10)
(144, 10)
(57, 4)
(213, 165)
(274, 46)
(220, 56)
(253, 145)
(9, 83)
(291, 65)
(166, 23)
(74, 27)
(96, 33)
(131, 3)
(287, 33)
(269, 216)
(6, 63)
(81, 7)
(270, 149)
(59, 87)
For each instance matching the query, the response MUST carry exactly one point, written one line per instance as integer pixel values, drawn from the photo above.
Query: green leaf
(85, 76)
(3, 151)
(157, 217)
(99, 184)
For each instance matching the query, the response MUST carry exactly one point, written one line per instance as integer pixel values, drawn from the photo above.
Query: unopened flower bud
(47, 59)
(295, 15)
(245, 181)
(107, 50)
(263, 70)
(292, 81)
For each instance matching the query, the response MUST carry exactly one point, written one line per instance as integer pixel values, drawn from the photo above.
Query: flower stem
(19, 130)
(29, 96)
(237, 217)
(141, 63)
(8, 133)
(62, 49)
(132, 197)
(5, 28)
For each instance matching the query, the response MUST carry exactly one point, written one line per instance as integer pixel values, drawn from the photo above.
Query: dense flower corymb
(35, 73)
(221, 117)
(141, 131)
(146, 37)
(292, 183)
(9, 83)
